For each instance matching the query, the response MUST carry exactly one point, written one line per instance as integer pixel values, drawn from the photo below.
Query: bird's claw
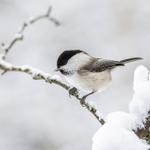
(82, 101)
(73, 91)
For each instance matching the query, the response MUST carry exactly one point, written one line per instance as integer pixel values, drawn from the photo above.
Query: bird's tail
(124, 61)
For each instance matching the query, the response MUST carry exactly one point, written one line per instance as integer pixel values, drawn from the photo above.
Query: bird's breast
(90, 81)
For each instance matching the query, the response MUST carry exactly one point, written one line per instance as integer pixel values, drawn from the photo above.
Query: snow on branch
(118, 134)
(129, 131)
(37, 74)
(140, 105)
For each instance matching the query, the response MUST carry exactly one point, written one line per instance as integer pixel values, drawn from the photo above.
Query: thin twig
(20, 35)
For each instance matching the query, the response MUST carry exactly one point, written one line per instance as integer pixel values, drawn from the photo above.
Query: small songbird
(86, 72)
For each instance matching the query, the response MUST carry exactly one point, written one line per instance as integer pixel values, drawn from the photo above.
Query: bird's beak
(57, 69)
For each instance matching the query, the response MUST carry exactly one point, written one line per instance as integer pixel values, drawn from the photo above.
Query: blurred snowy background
(39, 116)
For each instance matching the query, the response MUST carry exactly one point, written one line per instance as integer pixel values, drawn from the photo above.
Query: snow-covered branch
(140, 104)
(37, 74)
(129, 131)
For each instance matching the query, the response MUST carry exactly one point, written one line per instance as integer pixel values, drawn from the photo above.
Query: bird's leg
(82, 101)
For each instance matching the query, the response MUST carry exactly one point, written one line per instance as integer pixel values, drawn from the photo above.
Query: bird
(88, 73)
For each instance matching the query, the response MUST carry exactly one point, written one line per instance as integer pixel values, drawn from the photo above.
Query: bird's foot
(82, 101)
(73, 91)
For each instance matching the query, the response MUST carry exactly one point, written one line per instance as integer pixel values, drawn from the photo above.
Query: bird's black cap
(65, 56)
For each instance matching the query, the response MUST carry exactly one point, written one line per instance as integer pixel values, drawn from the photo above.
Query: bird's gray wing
(100, 65)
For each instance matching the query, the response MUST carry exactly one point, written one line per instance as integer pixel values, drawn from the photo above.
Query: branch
(20, 34)
(144, 133)
(40, 75)
(35, 73)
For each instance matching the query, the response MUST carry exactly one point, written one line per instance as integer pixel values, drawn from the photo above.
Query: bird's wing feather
(100, 65)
